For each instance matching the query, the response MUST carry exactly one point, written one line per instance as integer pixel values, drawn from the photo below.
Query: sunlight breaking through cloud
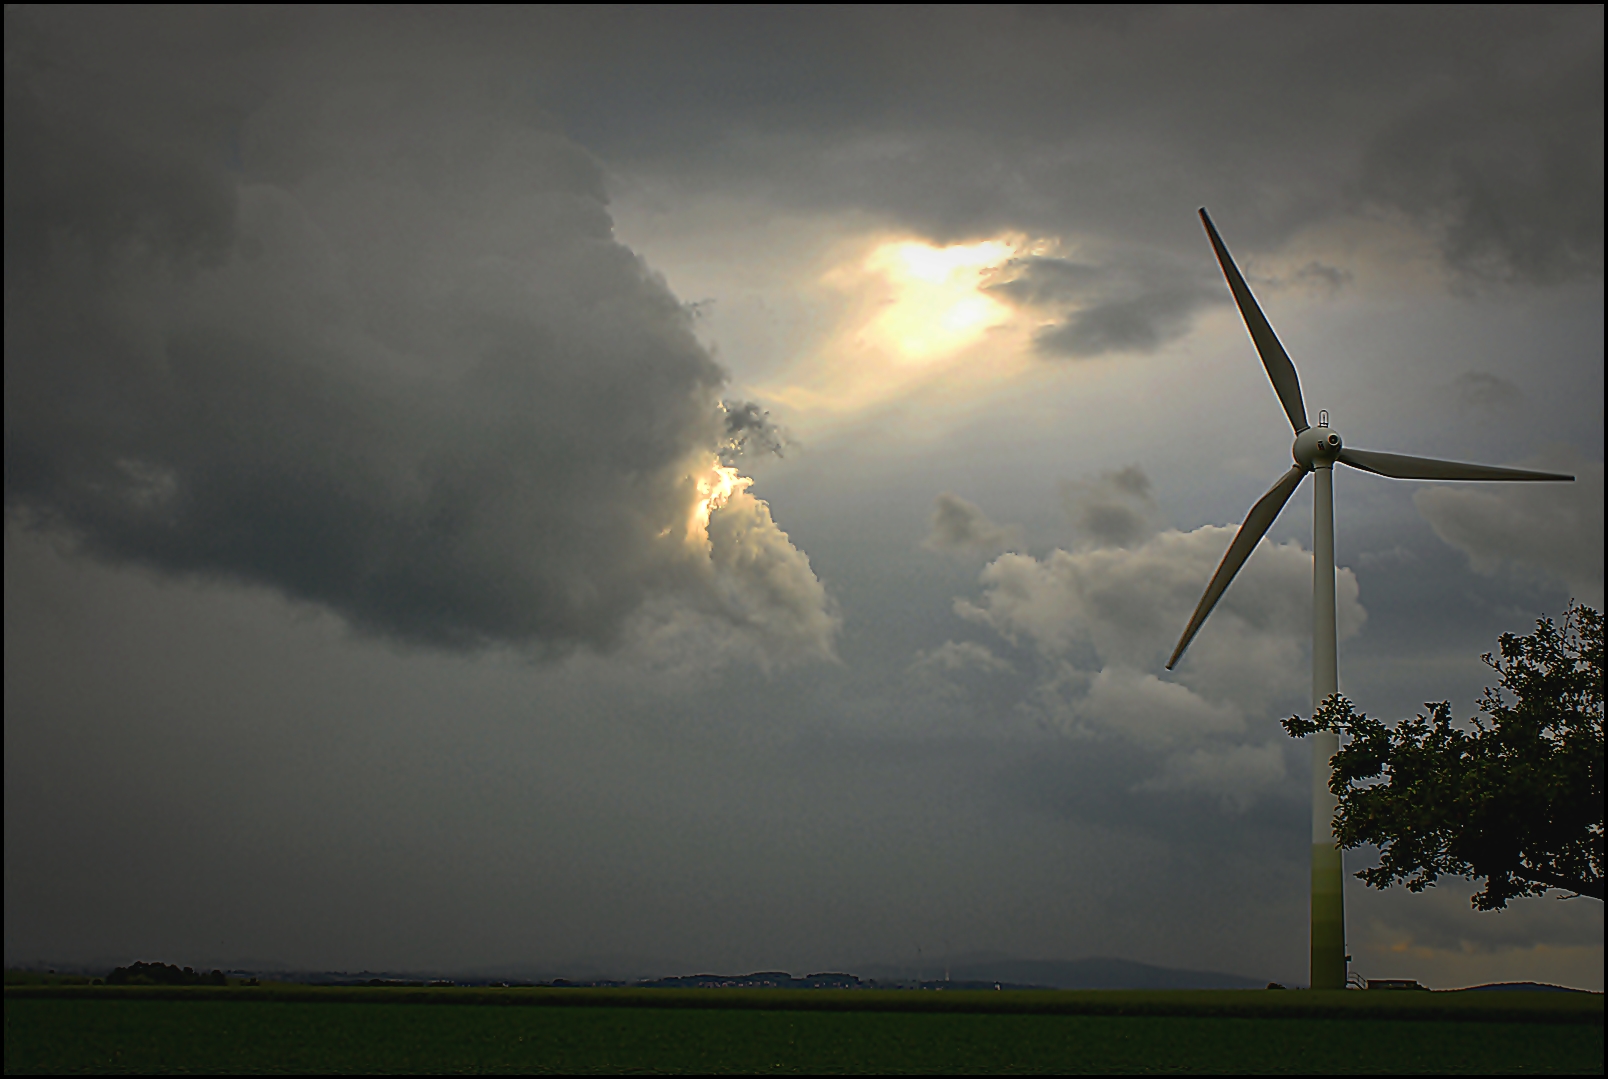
(937, 306)
(918, 318)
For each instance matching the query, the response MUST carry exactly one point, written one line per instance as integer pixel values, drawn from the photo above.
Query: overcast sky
(670, 490)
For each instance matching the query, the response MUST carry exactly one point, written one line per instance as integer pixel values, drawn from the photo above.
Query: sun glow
(937, 305)
(915, 319)
(715, 487)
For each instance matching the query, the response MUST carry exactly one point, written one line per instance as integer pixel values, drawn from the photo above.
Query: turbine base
(1328, 918)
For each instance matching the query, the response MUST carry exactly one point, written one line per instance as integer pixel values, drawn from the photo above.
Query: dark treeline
(163, 974)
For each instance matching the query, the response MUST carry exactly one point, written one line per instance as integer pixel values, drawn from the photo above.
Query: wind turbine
(1316, 450)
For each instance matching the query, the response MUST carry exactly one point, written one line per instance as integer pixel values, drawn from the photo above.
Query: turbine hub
(1316, 447)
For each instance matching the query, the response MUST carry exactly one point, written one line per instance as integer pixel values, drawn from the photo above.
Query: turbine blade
(1402, 467)
(1274, 358)
(1257, 522)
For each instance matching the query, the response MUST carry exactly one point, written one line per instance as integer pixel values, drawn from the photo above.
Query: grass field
(331, 1030)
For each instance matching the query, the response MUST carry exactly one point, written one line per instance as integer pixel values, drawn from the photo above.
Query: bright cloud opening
(937, 305)
(715, 488)
(916, 318)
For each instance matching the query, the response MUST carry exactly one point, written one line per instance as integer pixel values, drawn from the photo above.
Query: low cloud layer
(1097, 623)
(369, 342)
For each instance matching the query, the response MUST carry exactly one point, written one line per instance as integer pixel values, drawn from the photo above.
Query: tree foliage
(163, 974)
(1516, 800)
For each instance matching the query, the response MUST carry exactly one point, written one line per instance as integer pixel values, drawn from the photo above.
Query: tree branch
(1590, 888)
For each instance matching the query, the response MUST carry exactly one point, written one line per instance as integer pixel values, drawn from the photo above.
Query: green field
(300, 1029)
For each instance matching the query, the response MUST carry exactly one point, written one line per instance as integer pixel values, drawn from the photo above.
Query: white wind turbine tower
(1316, 450)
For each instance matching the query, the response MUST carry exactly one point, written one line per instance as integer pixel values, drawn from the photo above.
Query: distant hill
(1098, 974)
(1522, 987)
(976, 970)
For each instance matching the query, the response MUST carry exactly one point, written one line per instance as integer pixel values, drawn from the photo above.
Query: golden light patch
(715, 487)
(937, 306)
(713, 484)
(917, 318)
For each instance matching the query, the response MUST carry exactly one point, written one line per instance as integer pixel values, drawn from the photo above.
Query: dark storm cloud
(363, 338)
(1138, 325)
(1137, 304)
(750, 429)
(1509, 183)
(1484, 131)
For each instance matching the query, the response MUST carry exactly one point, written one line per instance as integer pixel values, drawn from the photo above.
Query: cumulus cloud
(1129, 606)
(763, 584)
(1114, 510)
(367, 340)
(958, 525)
(1100, 621)
(1143, 708)
(758, 601)
(1554, 529)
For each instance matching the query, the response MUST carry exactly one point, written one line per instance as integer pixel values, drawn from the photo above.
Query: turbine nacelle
(1316, 447)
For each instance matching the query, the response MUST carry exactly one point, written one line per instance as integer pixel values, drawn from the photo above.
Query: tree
(1517, 800)
(163, 974)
